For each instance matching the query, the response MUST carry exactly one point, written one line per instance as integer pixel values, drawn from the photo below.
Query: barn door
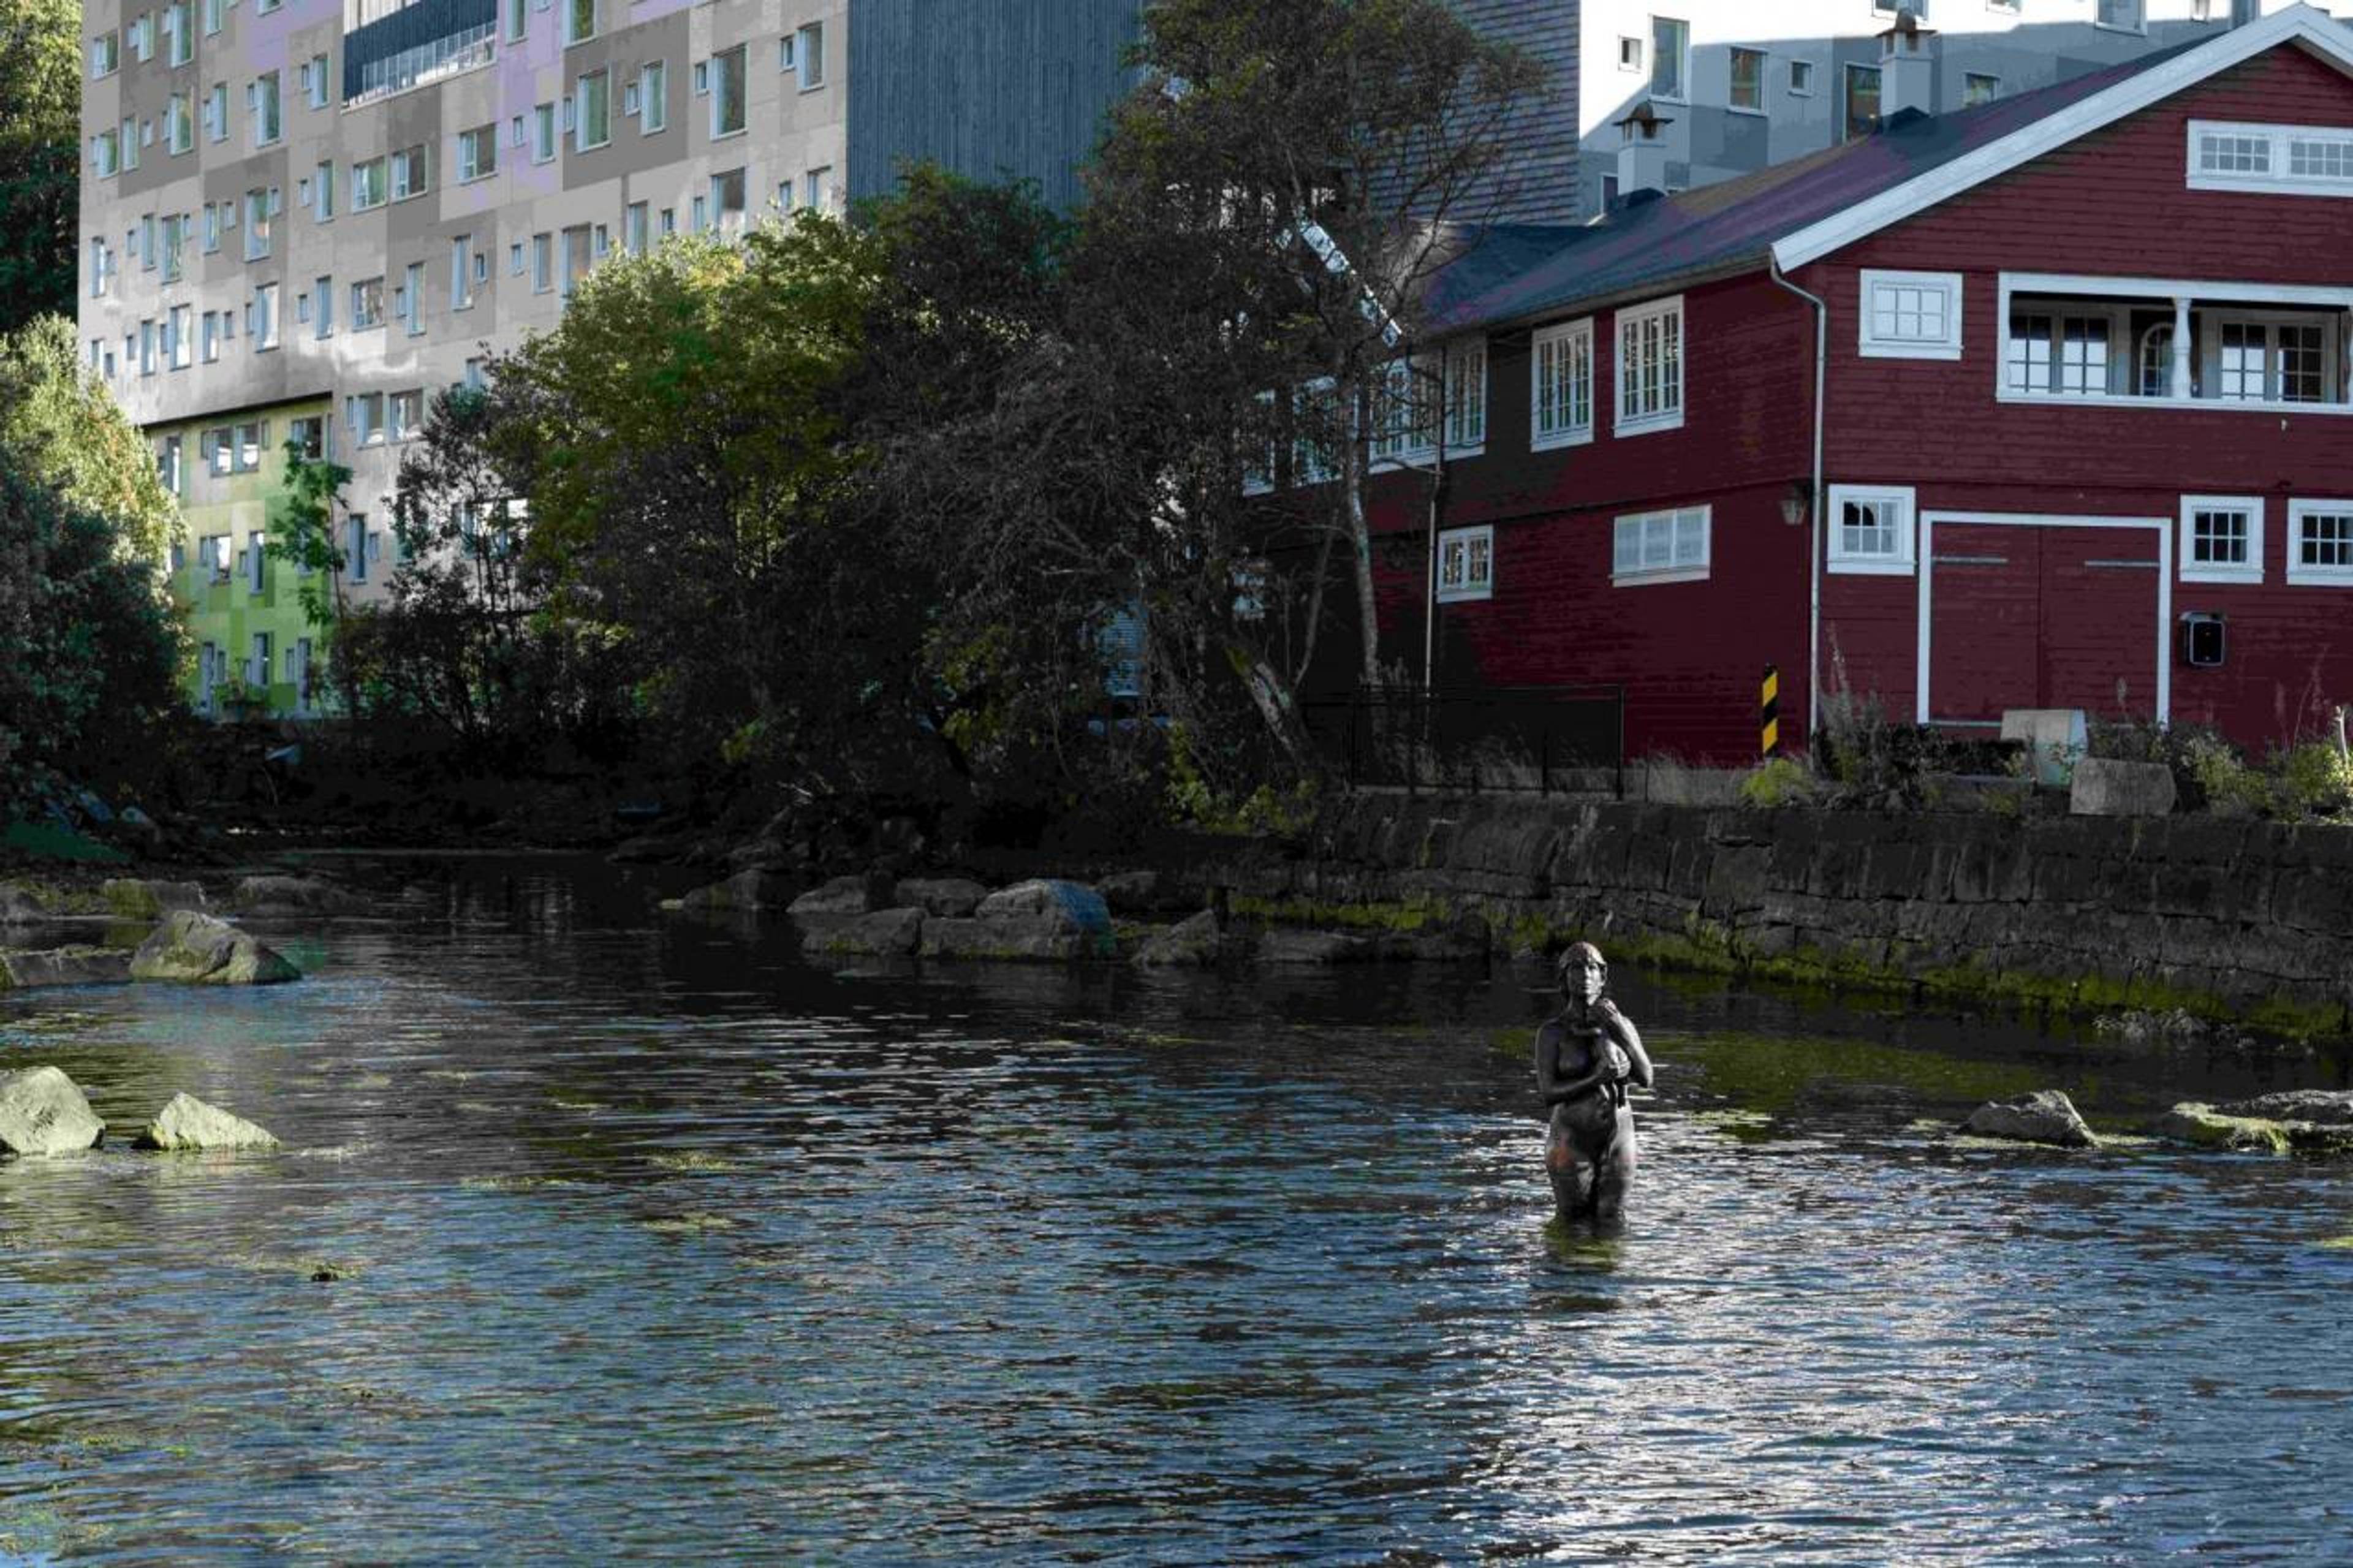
(2041, 614)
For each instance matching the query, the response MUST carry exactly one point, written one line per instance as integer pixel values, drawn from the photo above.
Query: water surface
(643, 1238)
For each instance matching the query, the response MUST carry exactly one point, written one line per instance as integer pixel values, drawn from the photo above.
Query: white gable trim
(2305, 24)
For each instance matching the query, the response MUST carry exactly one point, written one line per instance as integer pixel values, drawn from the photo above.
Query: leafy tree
(66, 426)
(302, 534)
(40, 156)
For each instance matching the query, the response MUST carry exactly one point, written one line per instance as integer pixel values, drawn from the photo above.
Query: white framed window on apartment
(1466, 565)
(1910, 315)
(1660, 546)
(2221, 538)
(1404, 413)
(1746, 90)
(2278, 160)
(2121, 15)
(1466, 397)
(1318, 425)
(654, 97)
(2320, 543)
(1801, 78)
(808, 56)
(543, 132)
(593, 120)
(1872, 529)
(408, 177)
(1651, 368)
(367, 303)
(727, 91)
(477, 153)
(369, 184)
(1669, 57)
(1560, 385)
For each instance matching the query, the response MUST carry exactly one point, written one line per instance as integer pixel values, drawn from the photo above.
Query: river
(643, 1240)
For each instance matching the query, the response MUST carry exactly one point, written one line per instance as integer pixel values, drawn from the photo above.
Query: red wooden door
(1985, 620)
(2036, 615)
(2099, 621)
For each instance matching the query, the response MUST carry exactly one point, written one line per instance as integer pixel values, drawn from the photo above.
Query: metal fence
(1474, 739)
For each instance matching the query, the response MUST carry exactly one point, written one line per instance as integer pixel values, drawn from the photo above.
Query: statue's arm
(1621, 1029)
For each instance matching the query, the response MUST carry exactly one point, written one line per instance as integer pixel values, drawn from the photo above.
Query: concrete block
(2103, 787)
(2056, 739)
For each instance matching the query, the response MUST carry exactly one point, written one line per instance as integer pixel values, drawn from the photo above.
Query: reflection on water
(644, 1239)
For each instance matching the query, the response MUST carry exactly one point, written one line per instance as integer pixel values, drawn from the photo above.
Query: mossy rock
(2208, 1128)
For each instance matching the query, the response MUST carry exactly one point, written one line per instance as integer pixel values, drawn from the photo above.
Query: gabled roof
(1798, 212)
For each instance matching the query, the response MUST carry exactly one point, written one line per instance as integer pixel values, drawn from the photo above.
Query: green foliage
(2313, 780)
(67, 429)
(40, 158)
(1777, 781)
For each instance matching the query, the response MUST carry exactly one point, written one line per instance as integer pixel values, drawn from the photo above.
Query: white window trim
(2213, 296)
(1807, 90)
(1539, 440)
(2195, 571)
(1424, 369)
(2314, 576)
(1682, 62)
(1671, 419)
(1948, 347)
(1450, 362)
(2277, 182)
(1462, 539)
(1643, 576)
(1900, 564)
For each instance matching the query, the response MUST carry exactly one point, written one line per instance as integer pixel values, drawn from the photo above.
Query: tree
(64, 425)
(41, 157)
(302, 534)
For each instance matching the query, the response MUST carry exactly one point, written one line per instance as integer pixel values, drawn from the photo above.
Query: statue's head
(1584, 972)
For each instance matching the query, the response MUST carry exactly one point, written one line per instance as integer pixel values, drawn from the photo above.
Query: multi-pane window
(179, 336)
(1669, 64)
(654, 97)
(370, 184)
(633, 228)
(1871, 529)
(1466, 395)
(1404, 415)
(2221, 538)
(2228, 152)
(727, 91)
(105, 154)
(314, 81)
(367, 303)
(477, 153)
(179, 41)
(1748, 88)
(365, 411)
(2054, 353)
(1650, 367)
(1911, 315)
(252, 440)
(105, 55)
(1560, 391)
(2284, 362)
(404, 412)
(217, 112)
(1660, 546)
(408, 173)
(1466, 565)
(2320, 542)
(543, 263)
(593, 116)
(322, 307)
(412, 297)
(1801, 78)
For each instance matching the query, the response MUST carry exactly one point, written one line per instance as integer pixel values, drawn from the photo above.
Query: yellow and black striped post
(1768, 710)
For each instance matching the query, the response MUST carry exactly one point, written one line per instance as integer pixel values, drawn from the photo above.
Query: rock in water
(196, 949)
(2202, 1125)
(67, 966)
(2325, 1107)
(860, 895)
(752, 890)
(41, 1112)
(954, 897)
(138, 899)
(296, 895)
(2046, 1116)
(1196, 941)
(188, 1122)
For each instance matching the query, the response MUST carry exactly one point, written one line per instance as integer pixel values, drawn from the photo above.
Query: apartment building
(1736, 85)
(300, 217)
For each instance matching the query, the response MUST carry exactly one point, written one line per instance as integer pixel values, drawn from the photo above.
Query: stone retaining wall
(2239, 918)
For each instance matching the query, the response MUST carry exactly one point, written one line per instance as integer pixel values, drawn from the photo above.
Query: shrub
(1779, 781)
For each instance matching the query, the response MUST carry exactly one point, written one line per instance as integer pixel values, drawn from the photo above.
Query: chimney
(1907, 67)
(1641, 151)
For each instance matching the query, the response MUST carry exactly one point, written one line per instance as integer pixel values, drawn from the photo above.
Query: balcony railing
(2176, 344)
(415, 44)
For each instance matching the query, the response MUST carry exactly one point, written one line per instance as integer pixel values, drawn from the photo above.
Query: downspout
(1819, 500)
(1437, 514)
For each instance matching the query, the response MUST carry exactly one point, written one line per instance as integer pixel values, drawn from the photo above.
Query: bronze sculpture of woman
(1586, 1055)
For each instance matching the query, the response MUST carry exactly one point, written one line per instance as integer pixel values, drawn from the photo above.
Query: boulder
(752, 890)
(138, 899)
(2103, 787)
(2045, 1116)
(67, 966)
(1070, 904)
(2202, 1125)
(1135, 892)
(2322, 1106)
(947, 938)
(41, 1112)
(189, 1123)
(955, 897)
(193, 948)
(19, 907)
(1196, 941)
(857, 895)
(1283, 945)
(886, 933)
(296, 895)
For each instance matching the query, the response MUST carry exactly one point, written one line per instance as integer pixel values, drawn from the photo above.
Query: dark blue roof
(1515, 273)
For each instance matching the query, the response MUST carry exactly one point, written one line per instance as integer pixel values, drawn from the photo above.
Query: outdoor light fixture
(1795, 503)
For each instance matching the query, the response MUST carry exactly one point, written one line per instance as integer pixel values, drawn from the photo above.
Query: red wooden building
(2041, 384)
